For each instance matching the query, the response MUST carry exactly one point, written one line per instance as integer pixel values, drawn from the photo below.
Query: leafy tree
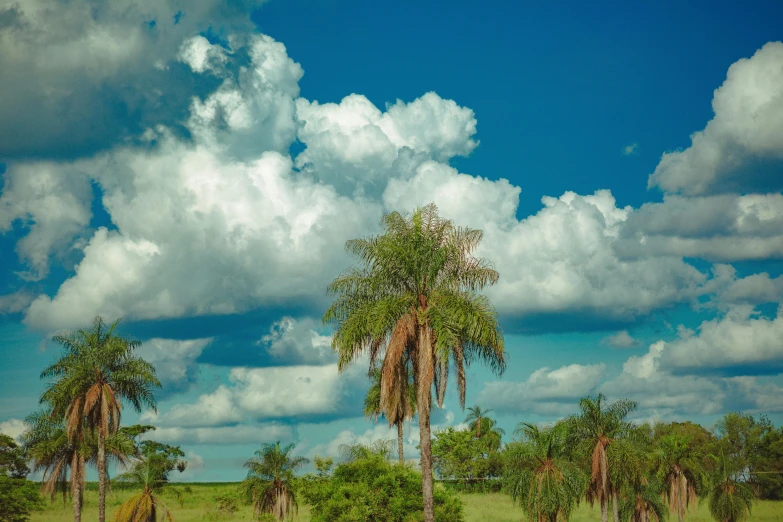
(13, 462)
(756, 447)
(18, 498)
(458, 454)
(730, 500)
(680, 467)
(96, 372)
(369, 488)
(146, 506)
(398, 411)
(168, 458)
(594, 429)
(415, 301)
(539, 475)
(269, 483)
(767, 475)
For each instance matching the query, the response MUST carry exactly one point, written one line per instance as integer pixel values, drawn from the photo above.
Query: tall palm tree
(147, 505)
(415, 300)
(96, 372)
(403, 409)
(682, 472)
(269, 482)
(594, 429)
(539, 475)
(61, 459)
(474, 419)
(730, 500)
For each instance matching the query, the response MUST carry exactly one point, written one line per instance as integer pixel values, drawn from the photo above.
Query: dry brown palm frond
(443, 379)
(394, 377)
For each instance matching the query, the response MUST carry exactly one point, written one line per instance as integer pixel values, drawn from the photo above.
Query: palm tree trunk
(604, 509)
(615, 507)
(399, 442)
(77, 469)
(426, 465)
(424, 399)
(101, 476)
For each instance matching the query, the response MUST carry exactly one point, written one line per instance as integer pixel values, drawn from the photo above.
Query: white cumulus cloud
(546, 391)
(741, 148)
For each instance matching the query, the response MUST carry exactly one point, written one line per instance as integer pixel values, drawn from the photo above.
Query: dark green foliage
(168, 458)
(370, 488)
(18, 498)
(12, 458)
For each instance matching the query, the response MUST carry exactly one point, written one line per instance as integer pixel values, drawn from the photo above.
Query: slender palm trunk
(615, 507)
(426, 465)
(424, 399)
(77, 487)
(399, 442)
(101, 476)
(604, 486)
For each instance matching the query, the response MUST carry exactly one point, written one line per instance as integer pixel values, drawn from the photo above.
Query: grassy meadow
(199, 506)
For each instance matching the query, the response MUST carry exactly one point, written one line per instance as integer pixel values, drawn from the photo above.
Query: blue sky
(197, 172)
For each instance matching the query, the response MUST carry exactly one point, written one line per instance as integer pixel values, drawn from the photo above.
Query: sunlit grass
(199, 506)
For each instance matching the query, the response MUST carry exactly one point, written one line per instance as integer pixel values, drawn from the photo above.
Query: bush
(227, 504)
(372, 489)
(18, 497)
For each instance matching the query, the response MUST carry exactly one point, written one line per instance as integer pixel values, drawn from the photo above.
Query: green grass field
(199, 506)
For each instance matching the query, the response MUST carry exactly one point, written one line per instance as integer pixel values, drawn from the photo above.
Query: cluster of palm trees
(602, 458)
(81, 408)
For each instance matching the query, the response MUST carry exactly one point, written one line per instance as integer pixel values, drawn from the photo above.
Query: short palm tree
(730, 500)
(593, 430)
(474, 419)
(269, 482)
(404, 408)
(642, 503)
(682, 472)
(415, 299)
(540, 477)
(61, 460)
(96, 372)
(146, 505)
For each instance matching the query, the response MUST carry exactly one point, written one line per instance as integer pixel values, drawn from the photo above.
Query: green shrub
(372, 489)
(18, 497)
(227, 504)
